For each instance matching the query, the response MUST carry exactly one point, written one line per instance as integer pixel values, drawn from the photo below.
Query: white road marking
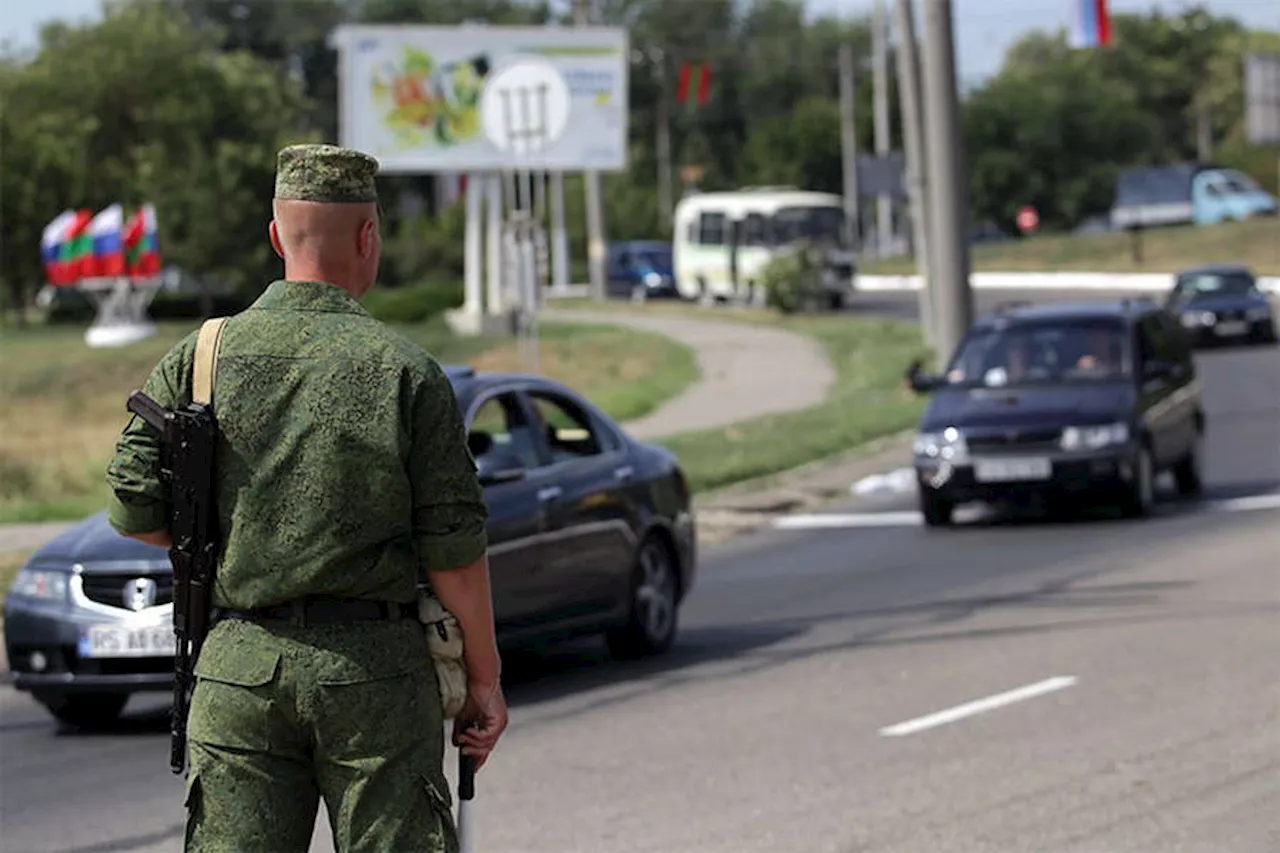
(912, 518)
(980, 706)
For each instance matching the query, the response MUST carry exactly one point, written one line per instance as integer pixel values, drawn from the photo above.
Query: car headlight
(41, 584)
(1094, 437)
(1262, 312)
(652, 279)
(1191, 319)
(948, 445)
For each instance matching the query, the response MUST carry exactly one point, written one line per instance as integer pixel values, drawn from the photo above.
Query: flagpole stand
(121, 304)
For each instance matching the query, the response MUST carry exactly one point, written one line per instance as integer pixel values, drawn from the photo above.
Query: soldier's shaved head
(325, 223)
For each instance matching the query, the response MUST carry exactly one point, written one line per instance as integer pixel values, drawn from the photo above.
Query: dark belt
(318, 611)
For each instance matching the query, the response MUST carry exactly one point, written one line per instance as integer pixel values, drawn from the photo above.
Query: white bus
(721, 241)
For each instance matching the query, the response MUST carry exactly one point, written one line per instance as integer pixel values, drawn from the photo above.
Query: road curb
(1087, 281)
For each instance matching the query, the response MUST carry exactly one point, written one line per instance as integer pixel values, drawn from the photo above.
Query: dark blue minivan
(641, 269)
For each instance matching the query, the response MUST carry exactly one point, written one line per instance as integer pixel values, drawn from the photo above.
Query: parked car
(1222, 303)
(641, 270)
(1061, 399)
(590, 531)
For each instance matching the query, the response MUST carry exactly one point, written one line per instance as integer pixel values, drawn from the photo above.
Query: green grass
(1255, 243)
(869, 399)
(62, 403)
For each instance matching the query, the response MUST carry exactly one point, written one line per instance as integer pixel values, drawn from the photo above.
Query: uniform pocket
(234, 696)
(369, 710)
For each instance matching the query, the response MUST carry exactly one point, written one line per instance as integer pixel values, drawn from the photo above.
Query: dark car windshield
(1215, 284)
(656, 259)
(1033, 353)
(821, 224)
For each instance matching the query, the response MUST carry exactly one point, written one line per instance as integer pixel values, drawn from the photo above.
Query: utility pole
(909, 102)
(665, 202)
(595, 203)
(947, 185)
(884, 142)
(849, 147)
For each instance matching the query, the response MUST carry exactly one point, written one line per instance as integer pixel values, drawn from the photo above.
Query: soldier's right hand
(481, 721)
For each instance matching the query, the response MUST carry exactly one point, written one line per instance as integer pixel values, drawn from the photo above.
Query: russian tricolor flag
(1091, 24)
(107, 232)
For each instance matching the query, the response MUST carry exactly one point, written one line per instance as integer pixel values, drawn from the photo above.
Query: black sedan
(1222, 303)
(590, 532)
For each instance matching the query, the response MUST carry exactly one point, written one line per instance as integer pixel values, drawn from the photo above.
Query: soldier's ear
(367, 237)
(274, 232)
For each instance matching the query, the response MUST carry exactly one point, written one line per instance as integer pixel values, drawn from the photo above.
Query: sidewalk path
(746, 370)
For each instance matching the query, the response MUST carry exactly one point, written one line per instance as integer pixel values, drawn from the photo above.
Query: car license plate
(113, 641)
(1011, 470)
(1234, 327)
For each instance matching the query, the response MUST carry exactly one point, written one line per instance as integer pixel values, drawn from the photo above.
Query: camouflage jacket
(342, 461)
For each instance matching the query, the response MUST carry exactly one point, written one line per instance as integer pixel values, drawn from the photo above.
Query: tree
(142, 107)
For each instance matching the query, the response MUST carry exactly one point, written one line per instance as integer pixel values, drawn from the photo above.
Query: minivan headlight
(1094, 437)
(40, 583)
(948, 445)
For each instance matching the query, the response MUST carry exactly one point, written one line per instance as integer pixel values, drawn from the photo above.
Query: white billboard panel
(478, 98)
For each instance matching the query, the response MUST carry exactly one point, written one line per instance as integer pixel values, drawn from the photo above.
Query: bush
(793, 280)
(413, 304)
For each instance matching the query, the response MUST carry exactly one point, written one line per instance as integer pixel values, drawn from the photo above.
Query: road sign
(1028, 219)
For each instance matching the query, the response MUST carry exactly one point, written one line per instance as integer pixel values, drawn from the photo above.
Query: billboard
(479, 98)
(1262, 98)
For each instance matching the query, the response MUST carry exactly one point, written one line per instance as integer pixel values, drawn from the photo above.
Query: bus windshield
(820, 224)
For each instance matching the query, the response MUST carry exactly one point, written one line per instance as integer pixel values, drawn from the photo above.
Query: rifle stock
(189, 437)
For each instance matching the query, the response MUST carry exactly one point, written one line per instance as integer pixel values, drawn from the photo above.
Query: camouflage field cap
(325, 173)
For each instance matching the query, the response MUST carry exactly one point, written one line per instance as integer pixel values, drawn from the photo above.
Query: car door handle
(623, 473)
(549, 493)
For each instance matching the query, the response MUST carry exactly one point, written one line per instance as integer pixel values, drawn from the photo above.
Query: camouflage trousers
(285, 715)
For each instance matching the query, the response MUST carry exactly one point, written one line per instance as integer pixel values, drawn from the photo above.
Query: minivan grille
(1014, 440)
(110, 588)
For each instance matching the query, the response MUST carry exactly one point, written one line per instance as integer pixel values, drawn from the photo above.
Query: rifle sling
(205, 368)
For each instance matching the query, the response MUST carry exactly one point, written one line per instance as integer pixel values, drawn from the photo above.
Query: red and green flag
(695, 80)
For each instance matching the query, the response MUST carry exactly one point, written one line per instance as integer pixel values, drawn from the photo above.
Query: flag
(687, 71)
(107, 253)
(51, 241)
(1091, 24)
(76, 248)
(142, 250)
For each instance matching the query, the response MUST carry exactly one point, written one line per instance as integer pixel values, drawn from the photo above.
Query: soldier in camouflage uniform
(343, 478)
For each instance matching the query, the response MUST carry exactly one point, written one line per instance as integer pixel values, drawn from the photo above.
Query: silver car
(89, 621)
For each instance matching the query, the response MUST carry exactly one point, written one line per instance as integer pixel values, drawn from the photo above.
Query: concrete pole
(913, 147)
(495, 303)
(849, 147)
(594, 200)
(559, 235)
(665, 189)
(473, 251)
(883, 130)
(948, 184)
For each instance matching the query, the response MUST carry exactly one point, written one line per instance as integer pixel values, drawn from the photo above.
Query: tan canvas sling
(205, 368)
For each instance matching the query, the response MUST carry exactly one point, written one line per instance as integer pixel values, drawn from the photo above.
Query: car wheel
(1186, 475)
(1140, 497)
(655, 588)
(937, 511)
(85, 710)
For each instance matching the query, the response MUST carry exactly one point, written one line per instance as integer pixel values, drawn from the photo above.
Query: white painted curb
(1140, 282)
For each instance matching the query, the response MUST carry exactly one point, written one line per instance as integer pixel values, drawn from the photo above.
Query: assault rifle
(188, 436)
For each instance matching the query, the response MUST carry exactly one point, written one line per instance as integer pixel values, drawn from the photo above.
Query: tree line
(184, 103)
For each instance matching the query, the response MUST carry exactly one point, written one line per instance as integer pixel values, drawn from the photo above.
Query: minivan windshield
(1042, 352)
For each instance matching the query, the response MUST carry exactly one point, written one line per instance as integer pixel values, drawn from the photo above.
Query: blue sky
(984, 28)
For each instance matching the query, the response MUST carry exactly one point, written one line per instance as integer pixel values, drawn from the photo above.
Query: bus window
(712, 229)
(753, 230)
(823, 224)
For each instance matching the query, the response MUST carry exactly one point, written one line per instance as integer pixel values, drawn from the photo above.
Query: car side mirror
(499, 467)
(919, 381)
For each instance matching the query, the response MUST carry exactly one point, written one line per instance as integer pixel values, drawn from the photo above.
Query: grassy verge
(62, 403)
(1255, 243)
(867, 401)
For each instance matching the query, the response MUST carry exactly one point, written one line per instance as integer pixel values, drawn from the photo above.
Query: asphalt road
(1128, 671)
